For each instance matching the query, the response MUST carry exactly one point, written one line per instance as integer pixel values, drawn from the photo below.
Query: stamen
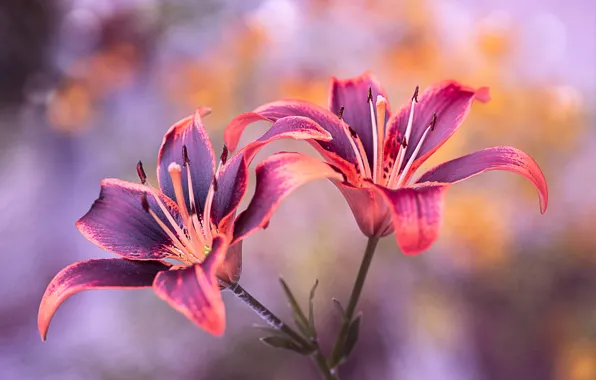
(404, 173)
(207, 211)
(340, 114)
(176, 174)
(191, 195)
(177, 243)
(170, 218)
(373, 121)
(141, 173)
(402, 150)
(358, 149)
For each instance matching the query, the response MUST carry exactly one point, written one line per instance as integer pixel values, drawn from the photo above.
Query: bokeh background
(87, 88)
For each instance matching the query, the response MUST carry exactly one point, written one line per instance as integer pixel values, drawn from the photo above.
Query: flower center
(191, 241)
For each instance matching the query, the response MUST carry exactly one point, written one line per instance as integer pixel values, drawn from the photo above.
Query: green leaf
(311, 312)
(299, 316)
(270, 330)
(286, 343)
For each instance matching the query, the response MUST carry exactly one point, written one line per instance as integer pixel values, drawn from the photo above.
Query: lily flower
(378, 154)
(178, 237)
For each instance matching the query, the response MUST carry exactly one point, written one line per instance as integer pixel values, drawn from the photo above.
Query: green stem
(354, 297)
(273, 321)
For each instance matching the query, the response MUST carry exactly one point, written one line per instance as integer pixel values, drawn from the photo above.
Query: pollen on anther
(141, 172)
(404, 143)
(340, 113)
(370, 97)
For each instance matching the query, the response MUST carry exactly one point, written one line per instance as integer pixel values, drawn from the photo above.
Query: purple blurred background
(87, 88)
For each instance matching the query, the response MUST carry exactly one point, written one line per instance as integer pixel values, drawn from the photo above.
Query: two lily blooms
(368, 152)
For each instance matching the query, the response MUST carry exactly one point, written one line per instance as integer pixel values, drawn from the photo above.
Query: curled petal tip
(203, 111)
(483, 94)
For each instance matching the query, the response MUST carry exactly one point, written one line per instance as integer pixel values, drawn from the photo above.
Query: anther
(433, 121)
(224, 155)
(340, 114)
(144, 202)
(404, 142)
(369, 99)
(185, 158)
(415, 96)
(214, 183)
(141, 173)
(353, 132)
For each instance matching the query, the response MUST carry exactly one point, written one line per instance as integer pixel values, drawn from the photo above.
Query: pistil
(378, 128)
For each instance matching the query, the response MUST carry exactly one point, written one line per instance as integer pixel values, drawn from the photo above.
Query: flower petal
(369, 208)
(233, 176)
(416, 213)
(340, 144)
(194, 291)
(190, 132)
(450, 101)
(277, 177)
(352, 94)
(118, 223)
(495, 158)
(94, 274)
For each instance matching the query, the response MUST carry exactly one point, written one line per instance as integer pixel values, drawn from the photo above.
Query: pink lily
(378, 154)
(189, 218)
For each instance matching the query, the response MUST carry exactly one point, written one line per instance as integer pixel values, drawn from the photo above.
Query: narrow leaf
(339, 308)
(285, 343)
(270, 330)
(299, 316)
(311, 313)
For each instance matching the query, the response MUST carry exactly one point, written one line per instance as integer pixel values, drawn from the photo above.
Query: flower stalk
(339, 349)
(305, 346)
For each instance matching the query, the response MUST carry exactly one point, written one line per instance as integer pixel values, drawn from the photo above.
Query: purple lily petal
(94, 274)
(190, 132)
(231, 269)
(194, 291)
(352, 94)
(450, 101)
(416, 214)
(495, 158)
(118, 223)
(277, 177)
(233, 177)
(340, 144)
